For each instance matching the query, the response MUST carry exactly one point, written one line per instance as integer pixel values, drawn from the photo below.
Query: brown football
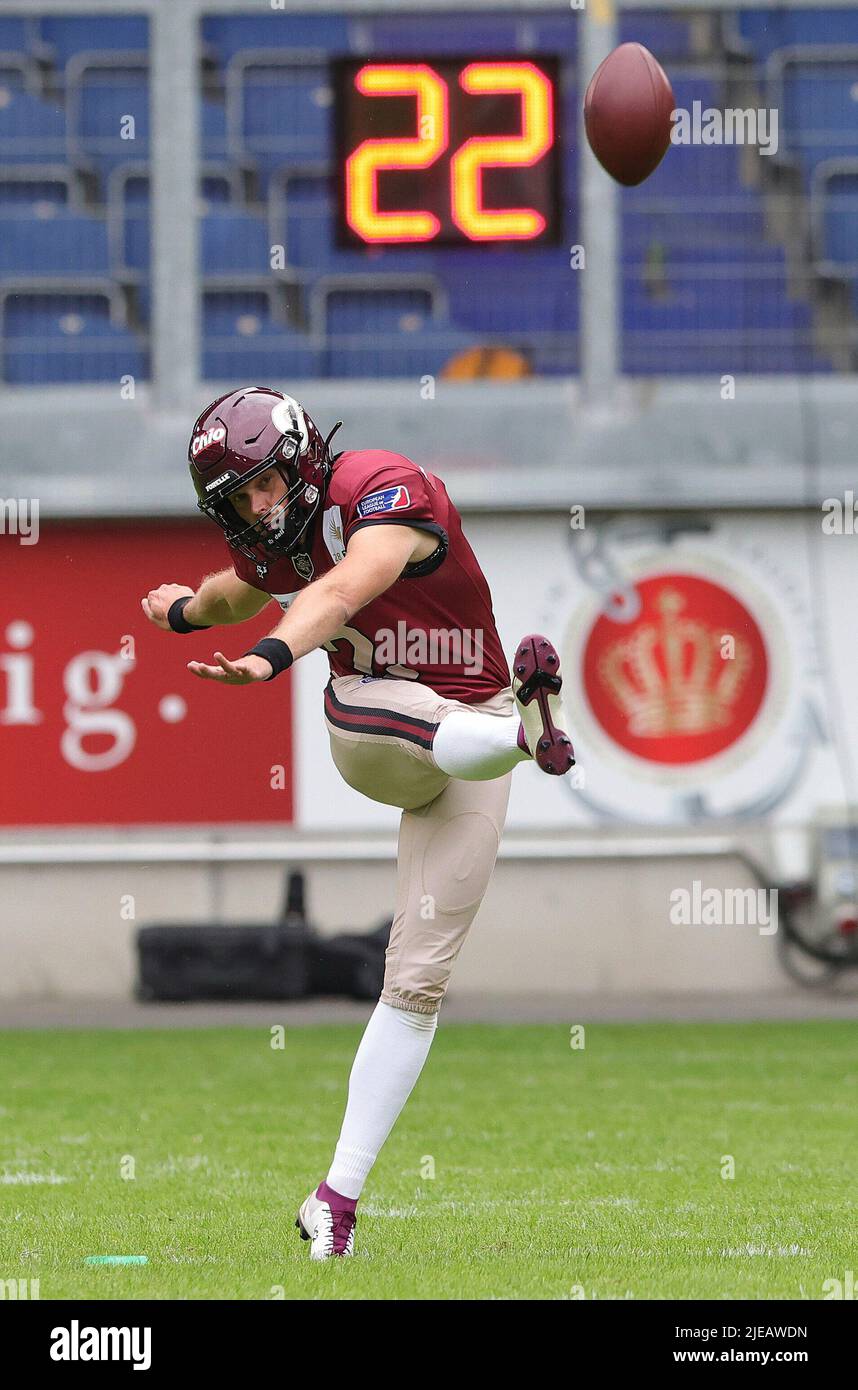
(627, 113)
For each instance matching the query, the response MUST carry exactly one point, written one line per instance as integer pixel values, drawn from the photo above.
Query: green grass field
(556, 1170)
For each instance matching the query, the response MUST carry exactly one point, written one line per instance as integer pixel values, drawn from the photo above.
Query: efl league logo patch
(389, 499)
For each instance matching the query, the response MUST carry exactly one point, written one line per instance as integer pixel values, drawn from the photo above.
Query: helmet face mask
(278, 530)
(239, 438)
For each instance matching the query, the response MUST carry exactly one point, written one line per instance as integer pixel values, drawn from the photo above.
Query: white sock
(477, 747)
(387, 1064)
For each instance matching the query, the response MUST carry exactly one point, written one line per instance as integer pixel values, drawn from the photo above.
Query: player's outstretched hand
(242, 672)
(158, 602)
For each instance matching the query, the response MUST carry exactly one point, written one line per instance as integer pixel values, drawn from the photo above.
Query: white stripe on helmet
(288, 415)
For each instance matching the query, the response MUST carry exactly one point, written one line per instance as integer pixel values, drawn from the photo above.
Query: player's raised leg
(475, 746)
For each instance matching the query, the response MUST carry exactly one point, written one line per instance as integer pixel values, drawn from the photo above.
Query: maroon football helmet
(243, 434)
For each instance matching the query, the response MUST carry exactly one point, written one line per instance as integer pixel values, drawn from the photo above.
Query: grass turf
(558, 1172)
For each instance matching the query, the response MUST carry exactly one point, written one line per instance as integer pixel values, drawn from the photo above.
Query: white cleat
(330, 1233)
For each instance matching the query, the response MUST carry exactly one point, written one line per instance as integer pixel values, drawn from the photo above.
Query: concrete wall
(559, 927)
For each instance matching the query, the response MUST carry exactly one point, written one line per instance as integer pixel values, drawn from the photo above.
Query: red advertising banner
(101, 723)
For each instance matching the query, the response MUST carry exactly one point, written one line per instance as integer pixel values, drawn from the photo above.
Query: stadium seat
(101, 101)
(17, 35)
(32, 129)
(60, 245)
(281, 113)
(214, 138)
(242, 339)
(513, 297)
(303, 220)
(217, 187)
(224, 36)
(762, 32)
(66, 338)
(234, 240)
(835, 213)
(820, 103)
(129, 214)
(64, 37)
(388, 333)
(434, 34)
(667, 36)
(40, 191)
(395, 353)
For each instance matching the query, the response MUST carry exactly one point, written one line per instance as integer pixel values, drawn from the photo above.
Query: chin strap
(328, 458)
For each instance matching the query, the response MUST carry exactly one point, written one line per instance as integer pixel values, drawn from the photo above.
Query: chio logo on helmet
(209, 437)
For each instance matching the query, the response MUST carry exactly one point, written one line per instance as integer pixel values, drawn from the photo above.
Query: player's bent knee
(459, 860)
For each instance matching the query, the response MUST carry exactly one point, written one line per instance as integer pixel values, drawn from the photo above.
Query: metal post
(175, 103)
(599, 235)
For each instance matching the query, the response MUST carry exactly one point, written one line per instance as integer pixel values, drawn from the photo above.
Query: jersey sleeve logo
(389, 499)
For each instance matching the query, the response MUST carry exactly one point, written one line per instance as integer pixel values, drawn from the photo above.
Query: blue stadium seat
(378, 311)
(737, 222)
(435, 34)
(233, 240)
(396, 354)
(41, 195)
(837, 218)
(820, 111)
(554, 33)
(65, 36)
(501, 293)
(32, 130)
(214, 137)
(765, 31)
(304, 221)
(727, 301)
(54, 247)
(217, 188)
(241, 339)
(285, 116)
(667, 36)
(16, 74)
(17, 35)
(66, 338)
(135, 216)
(226, 35)
(100, 132)
(387, 333)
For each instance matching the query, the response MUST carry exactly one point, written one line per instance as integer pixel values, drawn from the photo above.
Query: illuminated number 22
(466, 166)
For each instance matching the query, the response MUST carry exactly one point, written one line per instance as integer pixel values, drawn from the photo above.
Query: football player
(354, 545)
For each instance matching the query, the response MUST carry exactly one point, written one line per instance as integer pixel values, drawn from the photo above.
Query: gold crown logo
(669, 676)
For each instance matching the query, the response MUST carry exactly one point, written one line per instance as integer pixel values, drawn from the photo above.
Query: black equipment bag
(252, 962)
(349, 964)
(267, 961)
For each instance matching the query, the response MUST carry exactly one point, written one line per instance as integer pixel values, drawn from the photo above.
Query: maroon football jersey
(435, 623)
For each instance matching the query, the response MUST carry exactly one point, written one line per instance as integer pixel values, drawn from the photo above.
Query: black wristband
(275, 651)
(177, 620)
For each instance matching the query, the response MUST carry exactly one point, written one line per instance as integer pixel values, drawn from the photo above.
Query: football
(627, 111)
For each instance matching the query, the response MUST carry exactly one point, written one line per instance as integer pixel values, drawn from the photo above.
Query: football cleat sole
(537, 683)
